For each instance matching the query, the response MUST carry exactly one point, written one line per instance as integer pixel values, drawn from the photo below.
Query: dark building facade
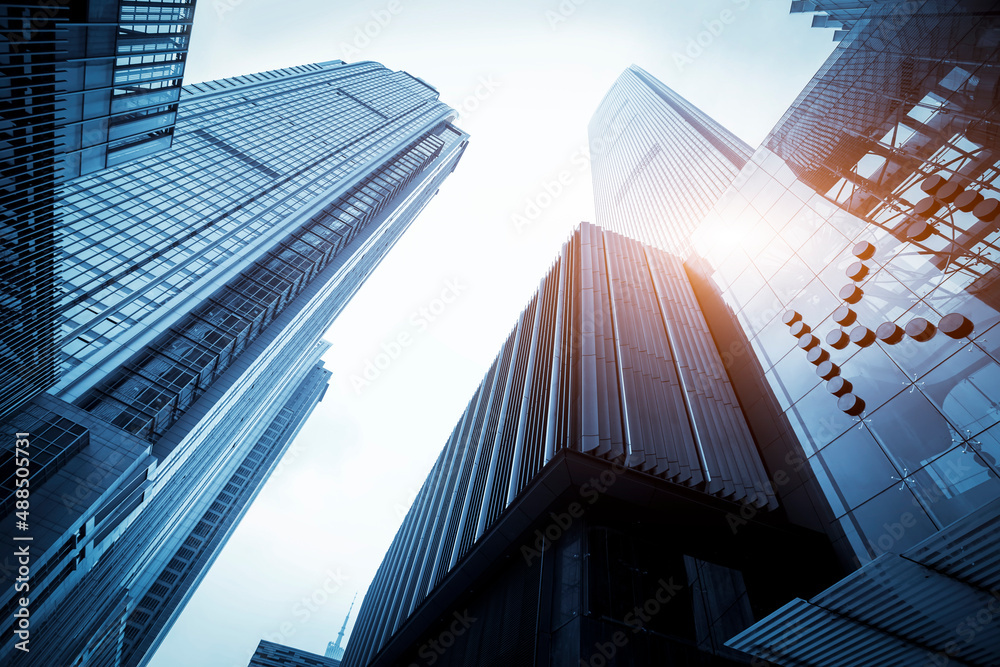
(85, 85)
(196, 287)
(588, 500)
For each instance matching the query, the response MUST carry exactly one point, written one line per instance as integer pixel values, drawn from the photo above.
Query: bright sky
(526, 77)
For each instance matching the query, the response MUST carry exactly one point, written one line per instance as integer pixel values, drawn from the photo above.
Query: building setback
(197, 286)
(606, 432)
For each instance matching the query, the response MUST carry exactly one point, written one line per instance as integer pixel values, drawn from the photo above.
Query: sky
(525, 76)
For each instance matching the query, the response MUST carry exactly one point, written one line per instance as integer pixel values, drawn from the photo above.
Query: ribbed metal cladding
(930, 605)
(658, 162)
(611, 358)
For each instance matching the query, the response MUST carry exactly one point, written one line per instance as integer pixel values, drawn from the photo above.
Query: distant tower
(659, 163)
(334, 649)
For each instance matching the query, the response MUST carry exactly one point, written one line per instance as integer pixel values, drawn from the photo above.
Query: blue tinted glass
(916, 358)
(874, 377)
(966, 389)
(893, 521)
(792, 377)
(857, 468)
(955, 485)
(816, 419)
(911, 431)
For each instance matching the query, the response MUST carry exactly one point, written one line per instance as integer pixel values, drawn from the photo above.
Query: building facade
(850, 271)
(846, 272)
(590, 495)
(269, 654)
(656, 157)
(195, 290)
(85, 85)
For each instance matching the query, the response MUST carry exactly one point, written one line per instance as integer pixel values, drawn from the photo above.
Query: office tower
(588, 502)
(182, 571)
(269, 654)
(196, 287)
(658, 162)
(85, 85)
(854, 263)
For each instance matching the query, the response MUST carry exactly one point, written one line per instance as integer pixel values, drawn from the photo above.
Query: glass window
(771, 258)
(874, 377)
(790, 280)
(893, 521)
(787, 206)
(911, 431)
(917, 358)
(856, 469)
(955, 484)
(816, 419)
(760, 310)
(746, 286)
(966, 389)
(815, 303)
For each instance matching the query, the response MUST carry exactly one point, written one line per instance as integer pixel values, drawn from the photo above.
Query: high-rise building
(588, 501)
(195, 287)
(269, 654)
(847, 275)
(85, 85)
(852, 270)
(182, 571)
(658, 162)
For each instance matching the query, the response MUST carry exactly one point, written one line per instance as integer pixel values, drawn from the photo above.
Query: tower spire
(333, 649)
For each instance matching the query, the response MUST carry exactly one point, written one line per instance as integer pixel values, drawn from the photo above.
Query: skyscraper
(85, 85)
(196, 287)
(855, 264)
(584, 504)
(658, 162)
(847, 275)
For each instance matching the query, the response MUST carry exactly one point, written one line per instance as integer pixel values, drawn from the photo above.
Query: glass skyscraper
(84, 85)
(846, 271)
(194, 288)
(597, 468)
(658, 162)
(853, 268)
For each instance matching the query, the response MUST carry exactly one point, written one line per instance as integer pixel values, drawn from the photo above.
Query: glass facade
(819, 251)
(254, 157)
(85, 85)
(195, 289)
(851, 269)
(146, 626)
(658, 162)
